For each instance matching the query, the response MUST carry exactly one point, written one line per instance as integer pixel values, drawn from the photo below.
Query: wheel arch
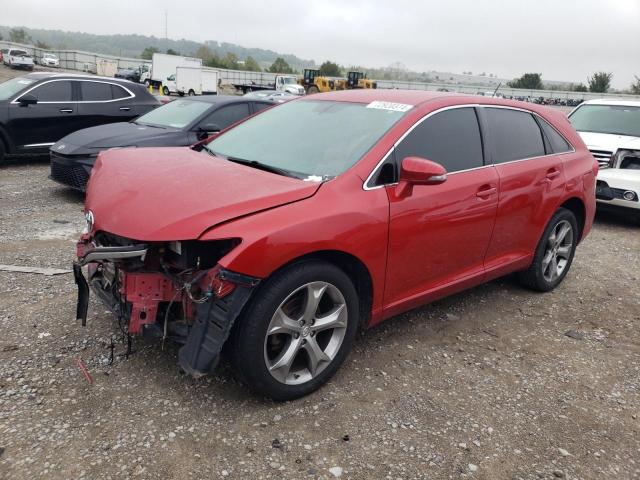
(6, 140)
(577, 207)
(355, 269)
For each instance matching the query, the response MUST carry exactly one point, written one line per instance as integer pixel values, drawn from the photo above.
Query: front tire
(165, 91)
(297, 331)
(554, 253)
(312, 89)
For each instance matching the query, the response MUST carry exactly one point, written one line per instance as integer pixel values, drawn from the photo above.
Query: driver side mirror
(419, 171)
(27, 100)
(208, 129)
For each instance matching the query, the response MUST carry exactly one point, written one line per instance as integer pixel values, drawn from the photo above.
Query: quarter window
(557, 142)
(53, 92)
(515, 134)
(258, 106)
(450, 138)
(96, 91)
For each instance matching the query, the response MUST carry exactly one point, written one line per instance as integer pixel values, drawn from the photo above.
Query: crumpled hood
(123, 134)
(161, 194)
(609, 142)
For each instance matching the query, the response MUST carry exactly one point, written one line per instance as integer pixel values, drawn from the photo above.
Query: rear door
(39, 126)
(531, 185)
(104, 102)
(438, 236)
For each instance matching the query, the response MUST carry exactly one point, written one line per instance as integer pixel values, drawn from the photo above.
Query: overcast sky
(562, 39)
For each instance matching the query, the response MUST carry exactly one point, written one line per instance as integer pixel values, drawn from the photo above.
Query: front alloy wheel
(305, 333)
(296, 331)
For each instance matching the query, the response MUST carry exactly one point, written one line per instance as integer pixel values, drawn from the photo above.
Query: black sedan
(38, 109)
(181, 122)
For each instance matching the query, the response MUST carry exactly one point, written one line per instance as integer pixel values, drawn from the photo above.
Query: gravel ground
(494, 383)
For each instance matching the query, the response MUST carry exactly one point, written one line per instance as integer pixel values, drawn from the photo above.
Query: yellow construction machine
(313, 82)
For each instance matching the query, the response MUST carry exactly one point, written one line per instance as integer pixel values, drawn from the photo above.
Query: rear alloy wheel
(554, 253)
(297, 331)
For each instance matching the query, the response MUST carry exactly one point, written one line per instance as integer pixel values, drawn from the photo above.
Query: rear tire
(297, 330)
(554, 253)
(191, 93)
(2, 150)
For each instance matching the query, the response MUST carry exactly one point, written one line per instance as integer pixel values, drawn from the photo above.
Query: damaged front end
(168, 290)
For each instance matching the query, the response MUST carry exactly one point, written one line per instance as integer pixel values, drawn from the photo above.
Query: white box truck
(164, 66)
(191, 81)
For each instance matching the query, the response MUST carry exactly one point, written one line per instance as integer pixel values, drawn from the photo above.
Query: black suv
(38, 109)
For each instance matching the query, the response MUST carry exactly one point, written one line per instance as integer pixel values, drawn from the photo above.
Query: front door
(34, 127)
(438, 235)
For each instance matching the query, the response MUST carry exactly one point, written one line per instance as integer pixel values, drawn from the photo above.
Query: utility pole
(166, 17)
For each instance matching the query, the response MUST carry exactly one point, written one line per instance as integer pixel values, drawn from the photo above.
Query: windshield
(13, 86)
(311, 138)
(288, 80)
(18, 53)
(612, 119)
(175, 114)
(49, 55)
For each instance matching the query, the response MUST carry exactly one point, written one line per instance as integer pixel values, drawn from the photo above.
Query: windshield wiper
(256, 164)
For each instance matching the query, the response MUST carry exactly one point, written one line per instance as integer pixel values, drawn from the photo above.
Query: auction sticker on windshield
(394, 107)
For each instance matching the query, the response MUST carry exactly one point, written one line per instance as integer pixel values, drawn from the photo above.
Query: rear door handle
(551, 174)
(125, 109)
(66, 110)
(486, 192)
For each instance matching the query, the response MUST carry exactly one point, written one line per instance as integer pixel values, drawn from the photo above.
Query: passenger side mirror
(419, 171)
(27, 100)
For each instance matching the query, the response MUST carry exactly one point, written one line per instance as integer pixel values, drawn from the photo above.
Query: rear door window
(58, 91)
(515, 135)
(117, 92)
(450, 138)
(96, 91)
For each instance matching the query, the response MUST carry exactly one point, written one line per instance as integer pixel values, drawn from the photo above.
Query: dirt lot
(486, 384)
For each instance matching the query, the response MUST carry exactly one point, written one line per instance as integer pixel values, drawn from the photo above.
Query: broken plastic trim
(212, 326)
(114, 253)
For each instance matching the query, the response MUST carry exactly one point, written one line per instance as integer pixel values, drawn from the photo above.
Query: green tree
(581, 87)
(171, 51)
(204, 53)
(280, 66)
(147, 53)
(18, 35)
(635, 87)
(530, 81)
(600, 82)
(231, 61)
(251, 65)
(43, 45)
(330, 69)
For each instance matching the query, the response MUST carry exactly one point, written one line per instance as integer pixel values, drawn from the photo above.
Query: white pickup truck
(17, 58)
(611, 131)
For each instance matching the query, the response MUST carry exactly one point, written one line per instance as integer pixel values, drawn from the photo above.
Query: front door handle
(125, 109)
(486, 192)
(66, 110)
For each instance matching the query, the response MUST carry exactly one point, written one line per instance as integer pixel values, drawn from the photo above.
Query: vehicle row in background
(38, 109)
(182, 122)
(17, 58)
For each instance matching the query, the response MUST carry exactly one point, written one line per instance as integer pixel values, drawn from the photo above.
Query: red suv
(283, 236)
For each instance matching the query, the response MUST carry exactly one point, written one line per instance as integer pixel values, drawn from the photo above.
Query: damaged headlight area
(169, 290)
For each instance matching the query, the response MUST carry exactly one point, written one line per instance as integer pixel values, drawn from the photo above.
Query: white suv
(19, 59)
(611, 130)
